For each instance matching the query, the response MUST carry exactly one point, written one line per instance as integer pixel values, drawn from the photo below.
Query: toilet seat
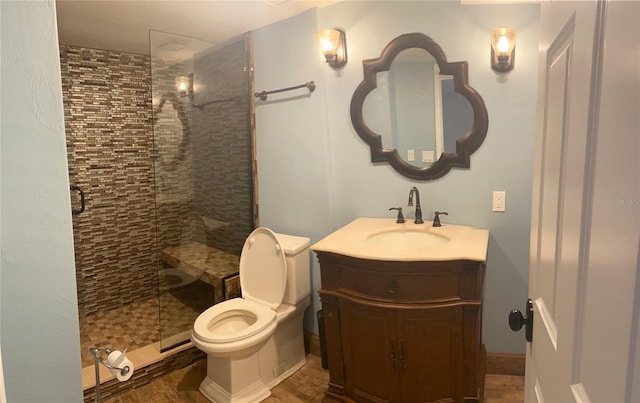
(229, 321)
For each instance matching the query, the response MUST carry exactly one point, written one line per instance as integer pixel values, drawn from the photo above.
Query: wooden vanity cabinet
(402, 331)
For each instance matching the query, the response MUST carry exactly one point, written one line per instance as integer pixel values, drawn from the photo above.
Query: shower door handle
(77, 188)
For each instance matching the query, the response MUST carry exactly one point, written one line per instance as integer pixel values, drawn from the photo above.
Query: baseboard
(497, 363)
(505, 364)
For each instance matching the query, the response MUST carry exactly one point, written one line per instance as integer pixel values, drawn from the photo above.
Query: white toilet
(255, 342)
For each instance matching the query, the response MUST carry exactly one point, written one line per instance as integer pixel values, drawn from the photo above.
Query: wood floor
(305, 386)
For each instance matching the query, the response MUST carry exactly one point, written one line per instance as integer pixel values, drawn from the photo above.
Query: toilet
(256, 341)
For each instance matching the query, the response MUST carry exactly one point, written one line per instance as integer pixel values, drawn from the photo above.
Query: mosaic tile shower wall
(203, 165)
(107, 101)
(157, 173)
(173, 155)
(222, 146)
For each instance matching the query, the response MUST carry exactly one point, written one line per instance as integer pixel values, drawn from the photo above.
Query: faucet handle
(436, 219)
(400, 218)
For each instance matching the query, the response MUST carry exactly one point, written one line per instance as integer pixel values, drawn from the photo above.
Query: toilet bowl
(254, 342)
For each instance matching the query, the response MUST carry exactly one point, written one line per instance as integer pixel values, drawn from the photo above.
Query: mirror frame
(465, 145)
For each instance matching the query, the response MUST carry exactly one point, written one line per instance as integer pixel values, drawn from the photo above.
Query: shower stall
(161, 147)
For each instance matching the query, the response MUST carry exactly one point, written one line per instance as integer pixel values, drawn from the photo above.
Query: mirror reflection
(416, 110)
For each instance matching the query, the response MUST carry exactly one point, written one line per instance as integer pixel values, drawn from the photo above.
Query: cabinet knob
(392, 287)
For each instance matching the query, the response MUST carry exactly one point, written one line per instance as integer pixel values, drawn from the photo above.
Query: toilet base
(233, 380)
(253, 393)
(286, 374)
(283, 354)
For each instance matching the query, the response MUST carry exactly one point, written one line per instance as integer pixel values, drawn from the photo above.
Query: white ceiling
(124, 25)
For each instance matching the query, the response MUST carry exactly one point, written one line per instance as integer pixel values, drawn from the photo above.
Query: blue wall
(315, 173)
(39, 334)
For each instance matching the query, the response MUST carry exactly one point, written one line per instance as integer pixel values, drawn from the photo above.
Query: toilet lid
(263, 270)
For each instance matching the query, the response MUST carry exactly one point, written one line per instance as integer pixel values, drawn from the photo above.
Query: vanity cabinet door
(371, 351)
(402, 355)
(431, 355)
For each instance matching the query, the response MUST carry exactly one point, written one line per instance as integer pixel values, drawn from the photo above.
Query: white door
(585, 233)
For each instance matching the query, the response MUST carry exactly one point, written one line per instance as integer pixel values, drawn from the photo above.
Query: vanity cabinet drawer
(435, 285)
(411, 282)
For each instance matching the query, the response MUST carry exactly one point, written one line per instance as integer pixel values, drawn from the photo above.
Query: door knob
(517, 320)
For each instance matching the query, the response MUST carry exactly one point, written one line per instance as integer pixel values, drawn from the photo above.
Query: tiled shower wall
(174, 155)
(222, 146)
(203, 172)
(204, 167)
(107, 103)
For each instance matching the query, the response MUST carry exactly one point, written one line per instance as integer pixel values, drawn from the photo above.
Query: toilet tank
(296, 251)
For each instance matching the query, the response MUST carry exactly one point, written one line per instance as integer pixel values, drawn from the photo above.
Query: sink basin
(403, 239)
(384, 239)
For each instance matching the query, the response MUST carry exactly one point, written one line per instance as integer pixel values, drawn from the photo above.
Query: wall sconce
(184, 85)
(333, 44)
(503, 49)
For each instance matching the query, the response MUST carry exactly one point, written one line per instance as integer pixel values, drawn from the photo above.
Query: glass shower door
(203, 174)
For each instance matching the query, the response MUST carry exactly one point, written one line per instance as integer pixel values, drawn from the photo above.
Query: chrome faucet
(418, 219)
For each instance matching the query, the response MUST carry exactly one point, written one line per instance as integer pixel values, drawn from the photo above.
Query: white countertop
(354, 239)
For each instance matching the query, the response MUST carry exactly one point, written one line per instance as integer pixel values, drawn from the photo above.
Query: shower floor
(137, 324)
(132, 326)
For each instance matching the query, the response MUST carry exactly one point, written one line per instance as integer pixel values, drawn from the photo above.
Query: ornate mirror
(417, 111)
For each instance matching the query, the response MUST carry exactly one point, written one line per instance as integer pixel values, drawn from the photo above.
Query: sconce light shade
(183, 85)
(503, 49)
(333, 44)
